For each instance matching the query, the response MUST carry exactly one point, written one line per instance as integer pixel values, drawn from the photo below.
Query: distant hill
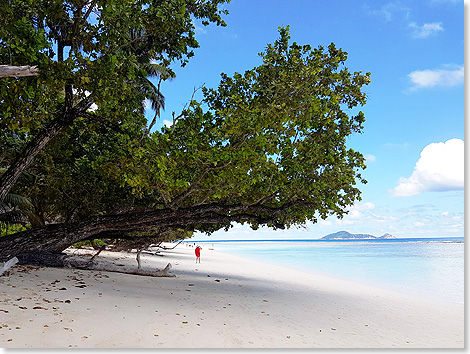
(387, 236)
(344, 235)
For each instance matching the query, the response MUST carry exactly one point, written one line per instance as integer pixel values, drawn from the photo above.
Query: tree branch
(104, 121)
(18, 71)
(24, 160)
(57, 237)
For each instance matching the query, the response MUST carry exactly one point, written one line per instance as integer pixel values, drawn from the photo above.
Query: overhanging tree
(86, 52)
(267, 147)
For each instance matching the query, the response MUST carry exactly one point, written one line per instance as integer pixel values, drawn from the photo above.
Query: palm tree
(150, 91)
(146, 60)
(15, 211)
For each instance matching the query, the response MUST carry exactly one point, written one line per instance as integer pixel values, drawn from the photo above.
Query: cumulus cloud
(356, 211)
(436, 78)
(439, 168)
(426, 30)
(167, 123)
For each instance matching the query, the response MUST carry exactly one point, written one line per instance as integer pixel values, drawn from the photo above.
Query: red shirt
(198, 251)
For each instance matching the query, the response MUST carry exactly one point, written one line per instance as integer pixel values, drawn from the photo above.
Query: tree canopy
(90, 53)
(266, 147)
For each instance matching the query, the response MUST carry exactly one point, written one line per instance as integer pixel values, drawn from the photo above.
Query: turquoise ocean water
(427, 267)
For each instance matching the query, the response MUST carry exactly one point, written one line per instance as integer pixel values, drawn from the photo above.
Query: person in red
(198, 254)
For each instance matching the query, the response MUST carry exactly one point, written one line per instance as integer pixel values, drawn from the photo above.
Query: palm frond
(14, 217)
(157, 70)
(17, 201)
(16, 209)
(153, 94)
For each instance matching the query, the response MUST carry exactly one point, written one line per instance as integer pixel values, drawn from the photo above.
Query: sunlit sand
(223, 302)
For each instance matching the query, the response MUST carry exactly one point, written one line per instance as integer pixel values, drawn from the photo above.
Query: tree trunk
(18, 71)
(56, 238)
(24, 160)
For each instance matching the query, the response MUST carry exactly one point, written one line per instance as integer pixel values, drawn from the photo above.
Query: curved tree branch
(57, 237)
(24, 160)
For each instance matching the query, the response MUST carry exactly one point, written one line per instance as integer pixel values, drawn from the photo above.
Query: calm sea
(428, 267)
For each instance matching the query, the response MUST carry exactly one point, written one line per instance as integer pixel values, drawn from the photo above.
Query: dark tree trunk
(43, 259)
(55, 238)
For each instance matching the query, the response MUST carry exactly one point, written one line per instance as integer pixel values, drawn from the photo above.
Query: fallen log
(63, 260)
(81, 263)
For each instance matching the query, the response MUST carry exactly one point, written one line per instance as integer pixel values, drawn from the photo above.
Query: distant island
(344, 235)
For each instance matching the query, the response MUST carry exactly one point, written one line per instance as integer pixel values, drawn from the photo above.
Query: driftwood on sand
(72, 261)
(8, 264)
(82, 263)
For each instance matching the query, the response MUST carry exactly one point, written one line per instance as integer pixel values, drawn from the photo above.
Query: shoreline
(416, 290)
(225, 301)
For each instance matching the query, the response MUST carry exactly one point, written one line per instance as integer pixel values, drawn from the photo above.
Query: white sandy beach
(224, 302)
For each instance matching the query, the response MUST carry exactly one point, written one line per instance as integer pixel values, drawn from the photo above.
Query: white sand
(224, 302)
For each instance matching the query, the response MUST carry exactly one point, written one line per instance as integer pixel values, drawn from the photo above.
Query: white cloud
(356, 214)
(345, 222)
(433, 78)
(397, 145)
(167, 123)
(200, 30)
(370, 158)
(363, 206)
(425, 30)
(384, 218)
(439, 168)
(388, 11)
(325, 222)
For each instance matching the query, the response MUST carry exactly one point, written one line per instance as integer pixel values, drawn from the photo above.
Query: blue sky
(414, 130)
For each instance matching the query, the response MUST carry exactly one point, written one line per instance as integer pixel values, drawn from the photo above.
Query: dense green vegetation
(270, 149)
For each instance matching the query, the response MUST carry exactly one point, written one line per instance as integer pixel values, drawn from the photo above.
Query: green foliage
(16, 214)
(137, 240)
(104, 43)
(79, 173)
(269, 149)
(87, 243)
(106, 49)
(274, 136)
(9, 229)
